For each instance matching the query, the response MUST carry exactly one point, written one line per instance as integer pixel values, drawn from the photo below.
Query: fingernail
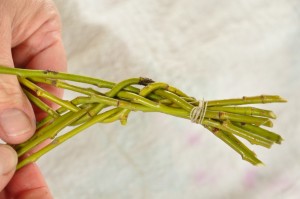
(8, 159)
(15, 122)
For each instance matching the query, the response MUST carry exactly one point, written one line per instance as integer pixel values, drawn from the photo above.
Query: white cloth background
(212, 49)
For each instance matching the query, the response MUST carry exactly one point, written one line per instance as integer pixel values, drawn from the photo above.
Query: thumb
(17, 121)
(8, 162)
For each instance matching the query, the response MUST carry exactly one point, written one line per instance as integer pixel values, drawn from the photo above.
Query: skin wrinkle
(20, 30)
(48, 33)
(12, 102)
(22, 34)
(48, 39)
(26, 192)
(9, 88)
(12, 162)
(5, 36)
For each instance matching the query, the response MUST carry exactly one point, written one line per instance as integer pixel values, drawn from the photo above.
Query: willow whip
(108, 102)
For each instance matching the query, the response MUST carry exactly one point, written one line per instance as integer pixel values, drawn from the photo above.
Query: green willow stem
(39, 103)
(51, 131)
(64, 85)
(25, 73)
(175, 99)
(160, 86)
(121, 115)
(59, 140)
(60, 111)
(228, 127)
(244, 111)
(225, 118)
(248, 135)
(239, 118)
(42, 93)
(261, 132)
(235, 144)
(115, 89)
(262, 99)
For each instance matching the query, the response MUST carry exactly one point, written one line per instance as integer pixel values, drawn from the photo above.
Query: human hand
(30, 36)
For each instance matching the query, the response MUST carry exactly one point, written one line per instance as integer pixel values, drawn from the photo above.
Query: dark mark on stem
(263, 98)
(215, 130)
(89, 114)
(145, 81)
(53, 82)
(50, 72)
(221, 114)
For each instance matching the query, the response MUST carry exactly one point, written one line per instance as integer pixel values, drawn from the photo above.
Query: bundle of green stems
(102, 101)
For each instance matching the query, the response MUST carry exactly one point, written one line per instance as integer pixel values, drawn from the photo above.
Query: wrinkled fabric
(208, 49)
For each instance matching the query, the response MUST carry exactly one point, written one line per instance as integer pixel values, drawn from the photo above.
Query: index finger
(49, 57)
